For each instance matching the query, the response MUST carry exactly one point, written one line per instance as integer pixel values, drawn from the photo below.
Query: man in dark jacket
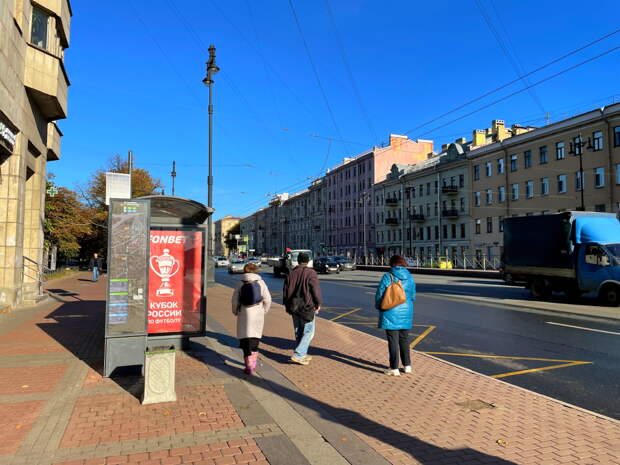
(95, 266)
(303, 282)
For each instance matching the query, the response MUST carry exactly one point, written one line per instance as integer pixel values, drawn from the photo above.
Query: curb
(492, 274)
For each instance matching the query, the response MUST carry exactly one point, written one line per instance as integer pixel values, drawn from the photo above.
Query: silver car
(256, 261)
(236, 266)
(220, 261)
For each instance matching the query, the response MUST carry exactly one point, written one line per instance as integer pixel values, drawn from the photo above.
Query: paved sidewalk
(57, 409)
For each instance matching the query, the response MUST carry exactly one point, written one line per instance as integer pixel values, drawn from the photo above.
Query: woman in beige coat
(250, 301)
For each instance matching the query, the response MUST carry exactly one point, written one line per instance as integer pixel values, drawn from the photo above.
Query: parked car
(236, 266)
(257, 261)
(345, 263)
(220, 261)
(326, 265)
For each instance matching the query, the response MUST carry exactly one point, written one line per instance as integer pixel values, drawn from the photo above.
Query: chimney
(499, 130)
(479, 137)
(461, 141)
(444, 147)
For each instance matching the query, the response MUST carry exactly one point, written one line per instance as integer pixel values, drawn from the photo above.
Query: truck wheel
(610, 295)
(540, 288)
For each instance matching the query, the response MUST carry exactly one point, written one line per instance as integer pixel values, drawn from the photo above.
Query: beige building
(539, 172)
(33, 95)
(223, 228)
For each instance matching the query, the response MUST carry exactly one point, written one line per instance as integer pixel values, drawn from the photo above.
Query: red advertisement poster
(175, 278)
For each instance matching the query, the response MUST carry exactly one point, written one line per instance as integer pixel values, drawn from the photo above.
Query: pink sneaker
(253, 361)
(248, 365)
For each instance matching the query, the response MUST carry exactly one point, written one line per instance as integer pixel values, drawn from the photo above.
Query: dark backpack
(250, 293)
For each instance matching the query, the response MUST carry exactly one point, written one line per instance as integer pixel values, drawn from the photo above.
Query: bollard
(159, 375)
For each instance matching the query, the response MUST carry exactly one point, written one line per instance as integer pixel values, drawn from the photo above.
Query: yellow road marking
(347, 313)
(422, 336)
(551, 367)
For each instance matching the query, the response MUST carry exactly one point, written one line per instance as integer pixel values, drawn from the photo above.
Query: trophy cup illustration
(165, 266)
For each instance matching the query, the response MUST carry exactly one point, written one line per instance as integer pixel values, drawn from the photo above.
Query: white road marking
(584, 328)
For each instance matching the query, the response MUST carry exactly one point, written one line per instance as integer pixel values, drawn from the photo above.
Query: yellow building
(223, 228)
(33, 95)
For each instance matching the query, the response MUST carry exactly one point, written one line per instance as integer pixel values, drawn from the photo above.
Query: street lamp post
(212, 69)
(577, 148)
(365, 196)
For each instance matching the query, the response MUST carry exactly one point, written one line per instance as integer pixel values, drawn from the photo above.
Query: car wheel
(610, 295)
(540, 288)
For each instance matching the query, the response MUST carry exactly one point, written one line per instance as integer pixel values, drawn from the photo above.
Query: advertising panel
(175, 281)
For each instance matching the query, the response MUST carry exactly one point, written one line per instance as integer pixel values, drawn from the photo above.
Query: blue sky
(136, 74)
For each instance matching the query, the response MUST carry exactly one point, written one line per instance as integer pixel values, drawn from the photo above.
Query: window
(462, 230)
(514, 189)
(501, 194)
(463, 198)
(599, 207)
(500, 165)
(477, 199)
(513, 162)
(597, 140)
(461, 180)
(436, 232)
(599, 177)
(428, 188)
(527, 158)
(453, 230)
(544, 186)
(488, 168)
(561, 184)
(501, 224)
(489, 224)
(489, 196)
(529, 189)
(542, 154)
(477, 226)
(578, 181)
(421, 191)
(444, 230)
(577, 148)
(38, 33)
(617, 136)
(559, 151)
(477, 172)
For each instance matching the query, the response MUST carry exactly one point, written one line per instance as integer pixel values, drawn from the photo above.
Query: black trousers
(249, 345)
(398, 341)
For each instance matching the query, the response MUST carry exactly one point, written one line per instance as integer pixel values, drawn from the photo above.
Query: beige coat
(250, 320)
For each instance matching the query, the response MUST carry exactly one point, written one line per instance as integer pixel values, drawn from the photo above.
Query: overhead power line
(316, 74)
(503, 86)
(548, 78)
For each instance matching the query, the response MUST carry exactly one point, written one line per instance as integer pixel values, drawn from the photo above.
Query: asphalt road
(493, 329)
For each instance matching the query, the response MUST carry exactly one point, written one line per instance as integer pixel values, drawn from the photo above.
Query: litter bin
(159, 374)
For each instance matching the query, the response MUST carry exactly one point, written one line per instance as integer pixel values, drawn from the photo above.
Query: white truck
(288, 261)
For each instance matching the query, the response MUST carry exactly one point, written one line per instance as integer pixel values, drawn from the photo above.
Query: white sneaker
(392, 372)
(408, 369)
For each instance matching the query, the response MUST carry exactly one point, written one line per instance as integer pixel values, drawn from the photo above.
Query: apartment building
(349, 187)
(545, 170)
(247, 231)
(33, 95)
(223, 229)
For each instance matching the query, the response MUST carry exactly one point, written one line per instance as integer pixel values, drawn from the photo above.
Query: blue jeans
(95, 273)
(304, 332)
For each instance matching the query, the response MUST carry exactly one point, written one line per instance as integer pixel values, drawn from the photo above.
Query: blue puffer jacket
(401, 316)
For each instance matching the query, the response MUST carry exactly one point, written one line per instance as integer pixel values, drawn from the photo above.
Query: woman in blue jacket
(398, 320)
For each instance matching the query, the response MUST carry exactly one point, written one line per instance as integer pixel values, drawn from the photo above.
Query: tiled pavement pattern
(440, 414)
(56, 408)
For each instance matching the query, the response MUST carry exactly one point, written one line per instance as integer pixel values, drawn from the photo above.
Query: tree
(66, 221)
(93, 195)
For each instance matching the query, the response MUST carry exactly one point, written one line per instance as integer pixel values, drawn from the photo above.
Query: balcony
(449, 190)
(417, 217)
(451, 213)
(53, 142)
(391, 221)
(391, 202)
(62, 10)
(46, 82)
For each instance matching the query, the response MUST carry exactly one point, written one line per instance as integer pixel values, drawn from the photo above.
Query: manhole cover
(475, 405)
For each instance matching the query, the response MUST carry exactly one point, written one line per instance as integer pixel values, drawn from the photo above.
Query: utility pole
(173, 174)
(212, 69)
(130, 168)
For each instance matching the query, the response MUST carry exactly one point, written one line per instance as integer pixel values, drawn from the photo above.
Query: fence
(462, 262)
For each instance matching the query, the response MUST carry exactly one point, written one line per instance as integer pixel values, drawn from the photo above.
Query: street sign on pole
(117, 186)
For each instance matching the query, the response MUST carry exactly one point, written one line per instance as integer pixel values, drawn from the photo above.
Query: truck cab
(598, 269)
(288, 261)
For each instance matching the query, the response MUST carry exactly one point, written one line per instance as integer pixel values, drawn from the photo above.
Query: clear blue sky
(136, 76)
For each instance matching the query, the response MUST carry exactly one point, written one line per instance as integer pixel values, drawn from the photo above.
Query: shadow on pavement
(422, 451)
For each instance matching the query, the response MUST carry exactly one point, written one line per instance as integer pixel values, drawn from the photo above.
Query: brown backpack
(394, 295)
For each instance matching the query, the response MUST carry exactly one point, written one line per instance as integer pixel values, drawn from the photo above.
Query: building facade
(546, 170)
(224, 227)
(33, 95)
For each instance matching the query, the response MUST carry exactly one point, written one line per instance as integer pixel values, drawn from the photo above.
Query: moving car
(236, 266)
(220, 261)
(345, 263)
(255, 260)
(326, 265)
(288, 261)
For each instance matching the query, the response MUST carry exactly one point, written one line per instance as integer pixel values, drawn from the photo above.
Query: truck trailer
(573, 252)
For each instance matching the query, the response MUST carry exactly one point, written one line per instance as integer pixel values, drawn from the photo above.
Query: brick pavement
(428, 417)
